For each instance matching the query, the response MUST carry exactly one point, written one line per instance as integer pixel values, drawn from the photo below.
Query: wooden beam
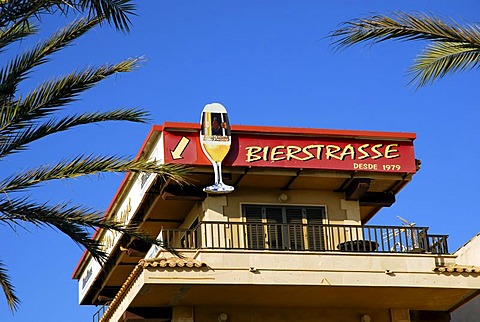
(377, 199)
(147, 314)
(184, 193)
(356, 189)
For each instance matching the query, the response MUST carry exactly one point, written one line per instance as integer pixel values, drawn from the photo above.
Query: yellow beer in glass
(216, 152)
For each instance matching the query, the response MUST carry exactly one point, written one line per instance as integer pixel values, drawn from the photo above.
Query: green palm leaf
(453, 47)
(19, 140)
(10, 35)
(49, 96)
(88, 165)
(12, 300)
(440, 59)
(73, 221)
(21, 66)
(116, 12)
(403, 26)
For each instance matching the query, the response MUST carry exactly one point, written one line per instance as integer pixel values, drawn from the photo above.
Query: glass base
(218, 188)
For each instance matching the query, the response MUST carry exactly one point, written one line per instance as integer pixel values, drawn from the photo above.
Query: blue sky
(269, 63)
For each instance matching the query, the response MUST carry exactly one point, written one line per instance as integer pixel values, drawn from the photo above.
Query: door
(284, 227)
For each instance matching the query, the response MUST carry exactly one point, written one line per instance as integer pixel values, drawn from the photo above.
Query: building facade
(290, 243)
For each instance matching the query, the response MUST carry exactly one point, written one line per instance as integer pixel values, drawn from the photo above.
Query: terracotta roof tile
(142, 264)
(457, 269)
(171, 262)
(112, 307)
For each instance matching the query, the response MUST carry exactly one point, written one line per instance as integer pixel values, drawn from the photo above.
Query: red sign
(298, 152)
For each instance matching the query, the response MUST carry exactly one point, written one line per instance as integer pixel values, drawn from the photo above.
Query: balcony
(302, 237)
(293, 264)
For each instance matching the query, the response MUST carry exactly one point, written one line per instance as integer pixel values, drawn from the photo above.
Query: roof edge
(298, 131)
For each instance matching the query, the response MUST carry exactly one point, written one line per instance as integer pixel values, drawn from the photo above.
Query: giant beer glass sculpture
(215, 139)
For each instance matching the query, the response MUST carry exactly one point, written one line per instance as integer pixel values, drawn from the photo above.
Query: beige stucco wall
(469, 254)
(229, 207)
(265, 314)
(314, 284)
(338, 211)
(335, 268)
(195, 212)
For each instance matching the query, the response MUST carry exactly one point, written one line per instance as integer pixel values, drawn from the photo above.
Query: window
(284, 227)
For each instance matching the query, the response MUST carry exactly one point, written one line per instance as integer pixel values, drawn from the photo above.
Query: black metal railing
(98, 315)
(303, 237)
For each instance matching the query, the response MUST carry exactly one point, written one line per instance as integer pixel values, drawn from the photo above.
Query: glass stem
(218, 176)
(216, 172)
(220, 179)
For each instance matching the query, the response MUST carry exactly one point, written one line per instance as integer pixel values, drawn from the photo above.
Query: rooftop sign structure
(378, 153)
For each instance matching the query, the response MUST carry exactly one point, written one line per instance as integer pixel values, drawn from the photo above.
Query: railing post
(427, 241)
(445, 244)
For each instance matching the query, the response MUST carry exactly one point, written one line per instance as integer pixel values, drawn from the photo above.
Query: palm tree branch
(14, 33)
(73, 221)
(20, 67)
(46, 99)
(15, 142)
(115, 11)
(88, 165)
(403, 26)
(440, 59)
(19, 11)
(12, 300)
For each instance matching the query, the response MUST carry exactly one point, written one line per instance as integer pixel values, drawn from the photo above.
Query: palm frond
(88, 165)
(12, 300)
(21, 66)
(15, 11)
(453, 47)
(116, 12)
(12, 11)
(46, 99)
(403, 26)
(9, 35)
(440, 59)
(53, 94)
(18, 141)
(73, 221)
